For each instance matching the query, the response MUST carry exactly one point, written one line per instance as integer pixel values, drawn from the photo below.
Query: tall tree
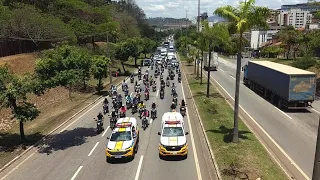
(291, 38)
(99, 69)
(242, 19)
(124, 50)
(13, 95)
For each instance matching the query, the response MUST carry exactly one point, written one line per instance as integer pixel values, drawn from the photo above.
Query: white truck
(214, 63)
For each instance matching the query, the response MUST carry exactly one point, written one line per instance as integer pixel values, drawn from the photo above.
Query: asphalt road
(76, 151)
(295, 132)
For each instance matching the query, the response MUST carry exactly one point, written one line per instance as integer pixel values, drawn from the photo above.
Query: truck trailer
(285, 86)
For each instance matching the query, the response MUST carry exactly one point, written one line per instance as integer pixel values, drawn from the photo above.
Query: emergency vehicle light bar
(172, 122)
(123, 125)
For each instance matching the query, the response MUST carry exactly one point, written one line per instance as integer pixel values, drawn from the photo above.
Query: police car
(124, 139)
(173, 141)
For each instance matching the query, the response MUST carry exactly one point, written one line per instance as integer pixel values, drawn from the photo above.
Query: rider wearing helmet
(145, 113)
(123, 109)
(153, 105)
(183, 103)
(141, 105)
(173, 106)
(100, 116)
(106, 101)
(128, 98)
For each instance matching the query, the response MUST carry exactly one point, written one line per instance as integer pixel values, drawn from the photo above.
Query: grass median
(247, 159)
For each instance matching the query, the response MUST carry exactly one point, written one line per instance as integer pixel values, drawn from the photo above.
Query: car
(146, 62)
(173, 141)
(124, 139)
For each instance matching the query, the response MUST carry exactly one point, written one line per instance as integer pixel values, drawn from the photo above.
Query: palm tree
(241, 19)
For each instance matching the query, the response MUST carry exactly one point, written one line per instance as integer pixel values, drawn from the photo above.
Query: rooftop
(283, 68)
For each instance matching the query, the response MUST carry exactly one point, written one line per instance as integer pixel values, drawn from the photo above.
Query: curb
(215, 164)
(43, 138)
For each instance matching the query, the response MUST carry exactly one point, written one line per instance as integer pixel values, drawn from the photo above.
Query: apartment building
(260, 37)
(297, 18)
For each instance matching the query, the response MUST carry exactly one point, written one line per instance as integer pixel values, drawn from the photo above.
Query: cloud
(155, 8)
(172, 4)
(160, 8)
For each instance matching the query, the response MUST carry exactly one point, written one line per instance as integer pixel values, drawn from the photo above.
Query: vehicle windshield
(172, 131)
(147, 60)
(121, 136)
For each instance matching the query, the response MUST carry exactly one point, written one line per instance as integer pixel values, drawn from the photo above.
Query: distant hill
(160, 21)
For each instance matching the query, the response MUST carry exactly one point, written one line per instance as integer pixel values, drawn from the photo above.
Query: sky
(177, 8)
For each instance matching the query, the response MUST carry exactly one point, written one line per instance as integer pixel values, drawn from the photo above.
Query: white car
(124, 139)
(173, 141)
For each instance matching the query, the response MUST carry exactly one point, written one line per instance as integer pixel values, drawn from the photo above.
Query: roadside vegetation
(89, 43)
(247, 159)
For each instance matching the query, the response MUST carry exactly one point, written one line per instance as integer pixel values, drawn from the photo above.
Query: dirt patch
(20, 63)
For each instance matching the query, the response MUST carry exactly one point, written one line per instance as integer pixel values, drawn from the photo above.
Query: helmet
(172, 84)
(122, 105)
(100, 113)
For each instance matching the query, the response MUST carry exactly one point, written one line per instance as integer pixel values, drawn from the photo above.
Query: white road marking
(315, 110)
(151, 121)
(240, 105)
(49, 133)
(192, 141)
(273, 141)
(157, 93)
(17, 166)
(139, 168)
(232, 77)
(77, 172)
(221, 70)
(105, 131)
(94, 147)
(131, 93)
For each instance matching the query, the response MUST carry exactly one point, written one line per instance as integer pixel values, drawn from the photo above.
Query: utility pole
(209, 68)
(316, 166)
(186, 33)
(108, 55)
(196, 63)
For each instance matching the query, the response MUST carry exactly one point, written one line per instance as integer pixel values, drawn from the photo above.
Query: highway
(295, 132)
(76, 151)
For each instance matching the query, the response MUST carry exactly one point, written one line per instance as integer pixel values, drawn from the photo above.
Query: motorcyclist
(173, 89)
(145, 113)
(183, 103)
(106, 101)
(100, 116)
(139, 70)
(151, 79)
(141, 105)
(123, 109)
(173, 106)
(153, 105)
(114, 114)
(128, 98)
(124, 85)
(131, 75)
(135, 100)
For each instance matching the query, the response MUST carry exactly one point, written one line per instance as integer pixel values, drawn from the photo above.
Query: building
(273, 19)
(297, 18)
(260, 37)
(303, 7)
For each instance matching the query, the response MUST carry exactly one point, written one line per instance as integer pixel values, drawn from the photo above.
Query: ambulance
(173, 141)
(124, 139)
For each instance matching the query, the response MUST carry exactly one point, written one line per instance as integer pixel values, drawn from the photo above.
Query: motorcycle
(174, 92)
(122, 115)
(175, 100)
(139, 76)
(126, 92)
(134, 108)
(113, 121)
(153, 113)
(151, 67)
(146, 95)
(105, 108)
(131, 79)
(144, 123)
(154, 88)
(168, 83)
(161, 94)
(128, 104)
(99, 125)
(179, 79)
(163, 86)
(183, 110)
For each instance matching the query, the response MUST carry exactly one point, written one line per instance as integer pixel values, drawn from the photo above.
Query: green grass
(277, 60)
(248, 156)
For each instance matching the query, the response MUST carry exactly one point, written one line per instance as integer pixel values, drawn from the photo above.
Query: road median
(248, 159)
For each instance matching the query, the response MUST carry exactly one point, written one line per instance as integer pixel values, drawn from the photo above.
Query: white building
(294, 17)
(258, 38)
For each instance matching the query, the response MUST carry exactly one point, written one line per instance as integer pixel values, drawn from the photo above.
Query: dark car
(147, 62)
